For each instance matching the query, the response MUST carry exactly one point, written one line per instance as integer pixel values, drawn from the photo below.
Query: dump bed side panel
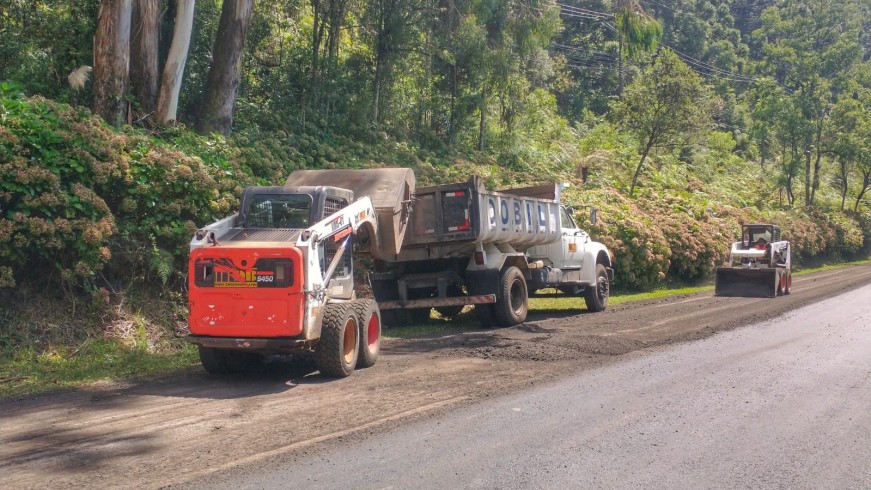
(465, 212)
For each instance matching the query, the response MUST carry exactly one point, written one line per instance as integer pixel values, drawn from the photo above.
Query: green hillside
(677, 121)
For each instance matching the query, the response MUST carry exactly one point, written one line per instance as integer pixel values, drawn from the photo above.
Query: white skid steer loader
(758, 266)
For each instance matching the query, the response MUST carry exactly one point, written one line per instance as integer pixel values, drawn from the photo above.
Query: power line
(690, 60)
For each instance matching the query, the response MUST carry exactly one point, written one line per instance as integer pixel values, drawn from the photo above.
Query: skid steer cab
(758, 264)
(277, 278)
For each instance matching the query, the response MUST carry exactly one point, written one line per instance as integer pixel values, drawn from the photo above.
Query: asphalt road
(779, 404)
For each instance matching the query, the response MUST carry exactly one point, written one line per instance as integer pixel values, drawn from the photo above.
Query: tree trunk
(482, 124)
(170, 84)
(818, 160)
(311, 100)
(844, 174)
(807, 178)
(376, 87)
(640, 164)
(621, 70)
(144, 75)
(866, 182)
(225, 73)
(111, 60)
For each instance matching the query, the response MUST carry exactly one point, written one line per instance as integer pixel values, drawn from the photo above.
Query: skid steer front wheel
(337, 350)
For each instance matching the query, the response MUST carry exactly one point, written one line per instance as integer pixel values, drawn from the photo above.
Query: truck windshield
(279, 211)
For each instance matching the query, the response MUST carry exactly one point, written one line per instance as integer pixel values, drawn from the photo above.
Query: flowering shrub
(75, 194)
(686, 238)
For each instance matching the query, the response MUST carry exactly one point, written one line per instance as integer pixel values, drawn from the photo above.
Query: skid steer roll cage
(775, 254)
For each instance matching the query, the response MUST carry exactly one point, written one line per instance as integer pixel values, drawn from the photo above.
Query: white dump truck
(491, 249)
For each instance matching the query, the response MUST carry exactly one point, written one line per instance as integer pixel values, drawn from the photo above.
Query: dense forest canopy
(653, 106)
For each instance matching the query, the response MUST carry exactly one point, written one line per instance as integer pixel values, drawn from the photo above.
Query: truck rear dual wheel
(596, 295)
(339, 346)
(370, 332)
(513, 301)
(224, 361)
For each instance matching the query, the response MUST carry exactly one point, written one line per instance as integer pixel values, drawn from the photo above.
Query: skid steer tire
(788, 288)
(370, 332)
(222, 361)
(337, 350)
(596, 296)
(513, 303)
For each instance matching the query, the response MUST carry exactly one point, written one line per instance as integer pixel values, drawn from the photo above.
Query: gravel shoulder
(174, 430)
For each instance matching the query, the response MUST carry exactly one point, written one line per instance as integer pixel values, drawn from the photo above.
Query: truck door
(572, 243)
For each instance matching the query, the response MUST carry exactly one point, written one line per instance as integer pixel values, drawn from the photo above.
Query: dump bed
(466, 212)
(390, 190)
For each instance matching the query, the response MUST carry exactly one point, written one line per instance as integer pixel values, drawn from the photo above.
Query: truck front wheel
(596, 295)
(513, 302)
(370, 332)
(337, 350)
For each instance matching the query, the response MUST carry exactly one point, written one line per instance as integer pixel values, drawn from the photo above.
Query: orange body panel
(240, 292)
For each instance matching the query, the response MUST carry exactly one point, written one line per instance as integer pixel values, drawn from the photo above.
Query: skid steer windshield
(279, 211)
(752, 235)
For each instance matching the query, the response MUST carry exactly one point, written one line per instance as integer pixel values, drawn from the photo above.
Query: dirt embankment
(173, 430)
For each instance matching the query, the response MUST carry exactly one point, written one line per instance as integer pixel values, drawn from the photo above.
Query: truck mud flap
(749, 283)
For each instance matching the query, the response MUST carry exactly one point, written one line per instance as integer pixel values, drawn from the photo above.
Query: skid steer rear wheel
(370, 332)
(596, 295)
(337, 350)
(513, 303)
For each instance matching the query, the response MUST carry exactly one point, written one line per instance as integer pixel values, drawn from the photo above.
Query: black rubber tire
(596, 296)
(338, 348)
(512, 304)
(486, 315)
(223, 361)
(453, 291)
(788, 289)
(397, 317)
(370, 332)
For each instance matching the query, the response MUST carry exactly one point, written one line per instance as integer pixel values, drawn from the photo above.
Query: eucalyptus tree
(144, 51)
(174, 68)
(112, 60)
(397, 33)
(219, 101)
(666, 106)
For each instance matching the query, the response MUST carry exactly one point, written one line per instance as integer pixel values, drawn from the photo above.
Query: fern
(160, 262)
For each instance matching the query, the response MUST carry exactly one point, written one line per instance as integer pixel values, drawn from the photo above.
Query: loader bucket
(751, 283)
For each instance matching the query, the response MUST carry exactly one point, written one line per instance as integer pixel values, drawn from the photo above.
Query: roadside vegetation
(676, 124)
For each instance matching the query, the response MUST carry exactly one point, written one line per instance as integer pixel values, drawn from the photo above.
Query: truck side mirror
(593, 213)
